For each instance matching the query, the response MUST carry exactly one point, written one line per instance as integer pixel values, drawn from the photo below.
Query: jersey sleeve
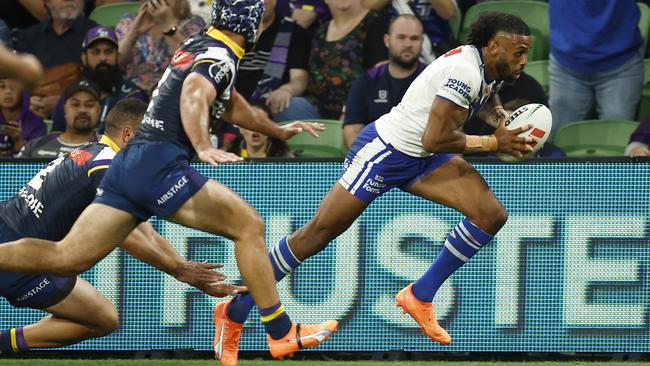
(460, 85)
(216, 66)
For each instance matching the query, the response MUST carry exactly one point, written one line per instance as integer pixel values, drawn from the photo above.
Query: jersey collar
(107, 141)
(220, 36)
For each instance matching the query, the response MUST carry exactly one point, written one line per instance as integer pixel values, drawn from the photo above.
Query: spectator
(595, 55)
(275, 70)
(99, 64)
(640, 140)
(309, 13)
(251, 144)
(17, 124)
(23, 13)
(434, 15)
(57, 40)
(149, 38)
(341, 50)
(379, 89)
(82, 107)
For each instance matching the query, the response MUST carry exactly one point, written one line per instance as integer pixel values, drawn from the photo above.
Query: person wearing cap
(82, 107)
(152, 175)
(99, 57)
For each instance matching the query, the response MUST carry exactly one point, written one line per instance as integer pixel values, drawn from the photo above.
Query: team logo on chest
(382, 96)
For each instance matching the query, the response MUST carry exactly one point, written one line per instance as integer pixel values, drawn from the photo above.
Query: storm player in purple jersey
(152, 174)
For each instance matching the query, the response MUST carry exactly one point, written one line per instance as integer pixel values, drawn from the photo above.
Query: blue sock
(283, 262)
(276, 321)
(461, 244)
(12, 341)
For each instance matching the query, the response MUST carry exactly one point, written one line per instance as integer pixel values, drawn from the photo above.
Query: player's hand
(294, 128)
(203, 276)
(509, 141)
(278, 101)
(215, 157)
(640, 151)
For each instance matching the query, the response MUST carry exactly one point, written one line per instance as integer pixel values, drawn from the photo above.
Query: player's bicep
(218, 73)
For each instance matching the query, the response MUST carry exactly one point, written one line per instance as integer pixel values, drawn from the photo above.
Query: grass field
(47, 362)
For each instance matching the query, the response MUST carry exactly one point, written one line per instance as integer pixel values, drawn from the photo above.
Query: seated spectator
(251, 144)
(18, 124)
(149, 38)
(341, 50)
(309, 13)
(640, 140)
(434, 15)
(595, 60)
(381, 88)
(55, 42)
(82, 107)
(99, 64)
(275, 70)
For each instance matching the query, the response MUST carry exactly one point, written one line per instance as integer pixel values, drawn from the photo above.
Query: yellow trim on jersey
(308, 7)
(108, 141)
(220, 36)
(14, 341)
(91, 171)
(268, 318)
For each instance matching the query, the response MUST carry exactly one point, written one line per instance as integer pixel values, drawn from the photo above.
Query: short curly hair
(489, 24)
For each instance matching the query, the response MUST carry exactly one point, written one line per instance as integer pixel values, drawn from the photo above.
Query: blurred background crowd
(342, 62)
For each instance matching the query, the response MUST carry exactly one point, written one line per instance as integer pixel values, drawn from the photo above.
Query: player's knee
(108, 321)
(253, 226)
(497, 217)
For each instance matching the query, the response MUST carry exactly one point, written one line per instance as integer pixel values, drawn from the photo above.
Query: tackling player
(152, 175)
(46, 207)
(413, 148)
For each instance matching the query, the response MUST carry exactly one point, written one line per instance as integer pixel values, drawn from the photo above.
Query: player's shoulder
(91, 153)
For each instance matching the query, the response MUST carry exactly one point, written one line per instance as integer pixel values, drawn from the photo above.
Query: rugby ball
(537, 114)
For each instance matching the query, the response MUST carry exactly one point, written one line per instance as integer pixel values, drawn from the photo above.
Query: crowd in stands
(345, 60)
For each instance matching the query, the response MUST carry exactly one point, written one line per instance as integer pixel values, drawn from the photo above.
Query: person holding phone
(17, 123)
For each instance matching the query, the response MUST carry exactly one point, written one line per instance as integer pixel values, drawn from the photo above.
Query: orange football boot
(423, 314)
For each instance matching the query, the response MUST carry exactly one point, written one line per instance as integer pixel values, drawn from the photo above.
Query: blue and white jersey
(458, 76)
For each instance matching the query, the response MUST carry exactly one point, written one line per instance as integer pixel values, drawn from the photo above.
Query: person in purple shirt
(640, 139)
(17, 123)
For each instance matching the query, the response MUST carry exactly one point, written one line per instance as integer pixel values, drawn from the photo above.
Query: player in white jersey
(413, 148)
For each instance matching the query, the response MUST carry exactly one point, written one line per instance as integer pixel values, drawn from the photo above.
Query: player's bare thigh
(218, 210)
(98, 230)
(86, 305)
(458, 185)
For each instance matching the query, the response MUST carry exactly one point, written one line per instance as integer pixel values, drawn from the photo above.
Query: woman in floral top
(343, 48)
(149, 38)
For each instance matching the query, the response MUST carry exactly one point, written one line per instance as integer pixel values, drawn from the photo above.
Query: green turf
(44, 362)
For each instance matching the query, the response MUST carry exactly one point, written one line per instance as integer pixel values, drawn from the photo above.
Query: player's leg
(218, 210)
(84, 313)
(98, 230)
(458, 185)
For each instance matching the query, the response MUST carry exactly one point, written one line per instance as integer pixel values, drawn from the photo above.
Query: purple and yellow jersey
(211, 54)
(48, 205)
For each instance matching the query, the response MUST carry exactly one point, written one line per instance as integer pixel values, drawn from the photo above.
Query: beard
(106, 76)
(83, 127)
(503, 69)
(404, 62)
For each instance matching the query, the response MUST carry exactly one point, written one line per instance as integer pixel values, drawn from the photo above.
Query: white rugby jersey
(457, 76)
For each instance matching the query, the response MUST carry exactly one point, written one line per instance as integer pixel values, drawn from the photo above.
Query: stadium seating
(108, 15)
(329, 145)
(644, 104)
(539, 71)
(534, 13)
(595, 137)
(455, 23)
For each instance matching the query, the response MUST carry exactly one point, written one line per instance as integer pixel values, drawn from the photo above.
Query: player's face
(10, 90)
(404, 42)
(81, 112)
(64, 9)
(254, 139)
(512, 55)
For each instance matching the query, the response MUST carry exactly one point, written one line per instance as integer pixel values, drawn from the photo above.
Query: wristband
(484, 143)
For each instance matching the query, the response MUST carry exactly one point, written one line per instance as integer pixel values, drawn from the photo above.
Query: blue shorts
(28, 290)
(147, 179)
(373, 167)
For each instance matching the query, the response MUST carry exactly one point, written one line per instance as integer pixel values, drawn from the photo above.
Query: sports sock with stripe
(283, 262)
(276, 321)
(462, 243)
(12, 341)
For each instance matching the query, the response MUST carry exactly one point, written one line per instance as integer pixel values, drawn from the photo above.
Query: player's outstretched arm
(145, 244)
(25, 67)
(241, 113)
